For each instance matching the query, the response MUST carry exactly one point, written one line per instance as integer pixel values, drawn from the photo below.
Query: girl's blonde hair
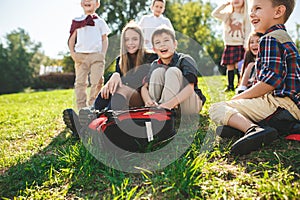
(125, 63)
(249, 56)
(245, 11)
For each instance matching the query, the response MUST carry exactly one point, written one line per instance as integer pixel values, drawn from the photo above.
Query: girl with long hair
(236, 28)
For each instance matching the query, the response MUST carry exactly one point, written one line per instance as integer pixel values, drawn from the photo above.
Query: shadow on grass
(281, 153)
(66, 166)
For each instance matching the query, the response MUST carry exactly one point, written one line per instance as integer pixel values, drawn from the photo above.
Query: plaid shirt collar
(275, 27)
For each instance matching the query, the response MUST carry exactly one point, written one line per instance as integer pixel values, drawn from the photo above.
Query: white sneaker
(240, 89)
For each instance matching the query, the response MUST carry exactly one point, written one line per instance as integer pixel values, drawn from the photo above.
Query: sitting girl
(122, 90)
(248, 70)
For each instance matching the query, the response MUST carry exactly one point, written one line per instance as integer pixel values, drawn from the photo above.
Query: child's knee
(214, 112)
(157, 75)
(159, 71)
(173, 71)
(221, 112)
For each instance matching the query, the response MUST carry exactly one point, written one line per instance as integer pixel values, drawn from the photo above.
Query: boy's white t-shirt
(148, 23)
(89, 38)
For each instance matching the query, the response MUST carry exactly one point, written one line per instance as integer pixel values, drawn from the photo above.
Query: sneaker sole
(68, 117)
(86, 116)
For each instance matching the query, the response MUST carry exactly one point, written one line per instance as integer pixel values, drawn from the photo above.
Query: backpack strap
(178, 64)
(281, 35)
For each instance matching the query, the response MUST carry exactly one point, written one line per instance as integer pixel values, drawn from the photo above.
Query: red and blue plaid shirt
(278, 65)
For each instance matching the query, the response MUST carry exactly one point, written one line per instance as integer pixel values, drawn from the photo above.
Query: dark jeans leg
(118, 102)
(101, 103)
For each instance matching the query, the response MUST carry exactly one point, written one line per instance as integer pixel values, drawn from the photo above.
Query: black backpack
(134, 129)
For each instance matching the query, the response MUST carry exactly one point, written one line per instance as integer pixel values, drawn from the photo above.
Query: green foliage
(68, 63)
(118, 13)
(19, 62)
(193, 19)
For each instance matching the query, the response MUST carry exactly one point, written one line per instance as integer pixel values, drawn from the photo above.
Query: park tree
(68, 63)
(193, 19)
(118, 13)
(18, 62)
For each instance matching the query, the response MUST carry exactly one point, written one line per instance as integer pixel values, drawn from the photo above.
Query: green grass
(41, 160)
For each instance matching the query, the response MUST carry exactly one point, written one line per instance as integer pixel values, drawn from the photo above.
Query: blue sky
(48, 22)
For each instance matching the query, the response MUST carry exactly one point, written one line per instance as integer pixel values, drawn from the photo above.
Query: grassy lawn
(41, 160)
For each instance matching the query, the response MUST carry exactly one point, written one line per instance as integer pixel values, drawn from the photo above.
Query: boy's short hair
(163, 29)
(153, 2)
(289, 5)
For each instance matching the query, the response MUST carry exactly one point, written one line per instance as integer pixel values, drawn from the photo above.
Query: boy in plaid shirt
(276, 95)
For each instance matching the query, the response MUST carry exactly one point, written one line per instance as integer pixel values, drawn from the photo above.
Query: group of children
(168, 79)
(273, 101)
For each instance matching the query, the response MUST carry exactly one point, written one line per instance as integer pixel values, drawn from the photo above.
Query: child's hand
(104, 92)
(151, 103)
(73, 55)
(166, 105)
(114, 82)
(227, 3)
(111, 86)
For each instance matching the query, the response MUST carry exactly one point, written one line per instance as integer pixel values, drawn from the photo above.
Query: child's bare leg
(245, 78)
(238, 121)
(255, 136)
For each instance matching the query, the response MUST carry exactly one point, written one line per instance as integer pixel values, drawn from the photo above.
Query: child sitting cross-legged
(172, 80)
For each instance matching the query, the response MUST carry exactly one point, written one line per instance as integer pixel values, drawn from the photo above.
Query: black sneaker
(228, 132)
(254, 139)
(87, 115)
(71, 120)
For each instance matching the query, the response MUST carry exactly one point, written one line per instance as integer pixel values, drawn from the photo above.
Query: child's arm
(258, 90)
(217, 12)
(180, 97)
(104, 44)
(71, 43)
(246, 74)
(146, 97)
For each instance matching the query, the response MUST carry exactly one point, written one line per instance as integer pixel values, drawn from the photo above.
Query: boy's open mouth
(255, 21)
(164, 50)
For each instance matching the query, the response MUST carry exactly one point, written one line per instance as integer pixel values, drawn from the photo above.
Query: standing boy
(148, 23)
(172, 80)
(88, 44)
(278, 76)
